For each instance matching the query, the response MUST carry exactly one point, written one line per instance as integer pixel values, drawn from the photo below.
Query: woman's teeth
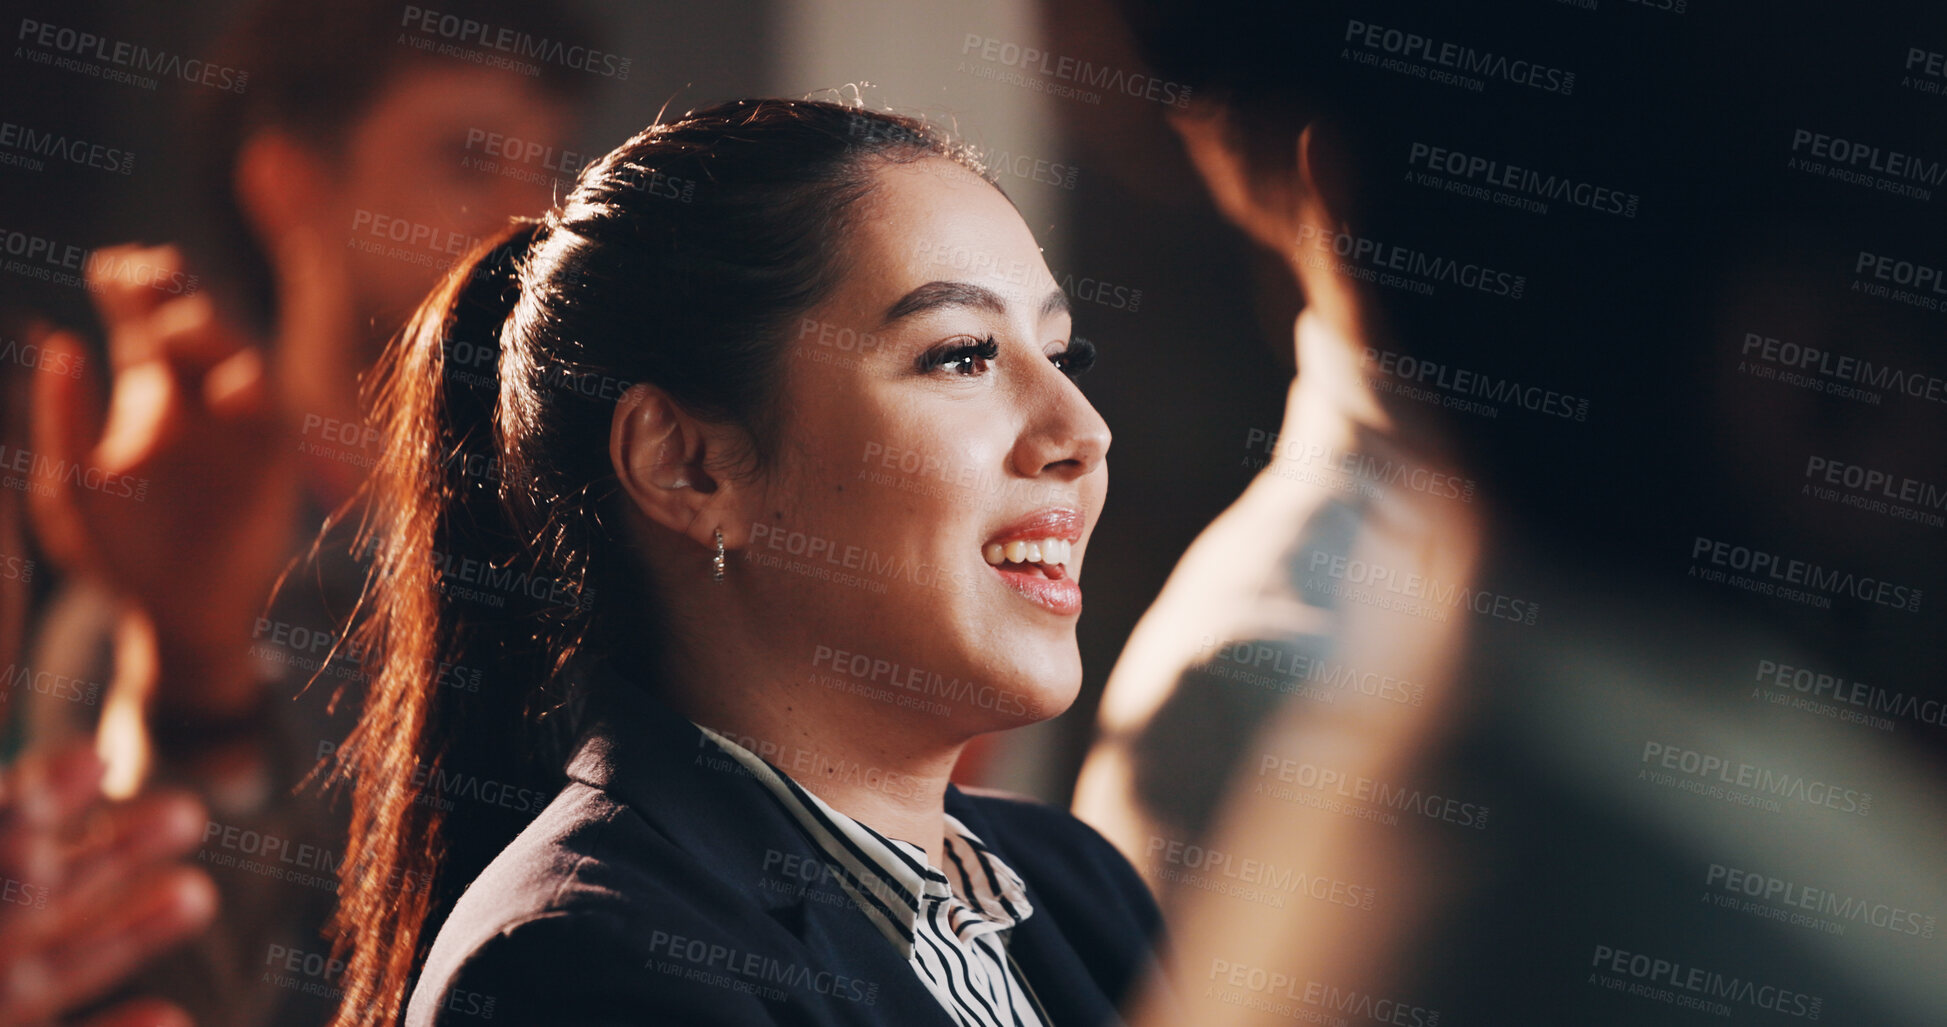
(1042, 551)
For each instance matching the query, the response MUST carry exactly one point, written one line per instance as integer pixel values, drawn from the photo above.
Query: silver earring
(718, 562)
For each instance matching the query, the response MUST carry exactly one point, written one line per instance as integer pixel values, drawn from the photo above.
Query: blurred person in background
(340, 183)
(1416, 731)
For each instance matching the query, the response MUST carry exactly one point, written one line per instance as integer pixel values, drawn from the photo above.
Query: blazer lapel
(750, 855)
(1068, 993)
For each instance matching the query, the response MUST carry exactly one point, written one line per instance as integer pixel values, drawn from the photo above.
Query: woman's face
(923, 526)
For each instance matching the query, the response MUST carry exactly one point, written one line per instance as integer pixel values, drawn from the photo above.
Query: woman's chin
(1033, 698)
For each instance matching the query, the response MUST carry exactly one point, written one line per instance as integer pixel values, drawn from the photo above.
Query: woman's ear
(671, 464)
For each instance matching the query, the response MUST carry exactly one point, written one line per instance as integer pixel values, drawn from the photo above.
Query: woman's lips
(1032, 555)
(1047, 586)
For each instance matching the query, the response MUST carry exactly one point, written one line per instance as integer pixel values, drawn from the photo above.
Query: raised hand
(178, 492)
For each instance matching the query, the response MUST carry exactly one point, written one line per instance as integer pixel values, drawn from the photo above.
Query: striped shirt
(951, 926)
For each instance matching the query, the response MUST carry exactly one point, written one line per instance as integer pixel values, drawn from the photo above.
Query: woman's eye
(1077, 358)
(965, 359)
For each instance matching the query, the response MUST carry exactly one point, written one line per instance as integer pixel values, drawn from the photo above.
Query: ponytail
(462, 668)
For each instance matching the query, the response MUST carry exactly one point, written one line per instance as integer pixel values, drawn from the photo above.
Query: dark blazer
(664, 885)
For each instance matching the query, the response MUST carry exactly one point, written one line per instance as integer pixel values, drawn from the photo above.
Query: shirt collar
(890, 879)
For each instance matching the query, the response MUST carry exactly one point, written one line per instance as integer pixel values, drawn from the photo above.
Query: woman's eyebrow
(937, 294)
(1055, 302)
(933, 295)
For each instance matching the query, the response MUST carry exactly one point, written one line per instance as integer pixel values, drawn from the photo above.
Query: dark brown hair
(681, 259)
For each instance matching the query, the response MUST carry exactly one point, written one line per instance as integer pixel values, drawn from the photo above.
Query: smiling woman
(740, 605)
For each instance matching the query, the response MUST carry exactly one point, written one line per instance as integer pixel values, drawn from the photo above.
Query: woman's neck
(872, 764)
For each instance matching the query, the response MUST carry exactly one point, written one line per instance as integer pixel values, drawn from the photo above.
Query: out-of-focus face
(923, 526)
(417, 181)
(425, 174)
